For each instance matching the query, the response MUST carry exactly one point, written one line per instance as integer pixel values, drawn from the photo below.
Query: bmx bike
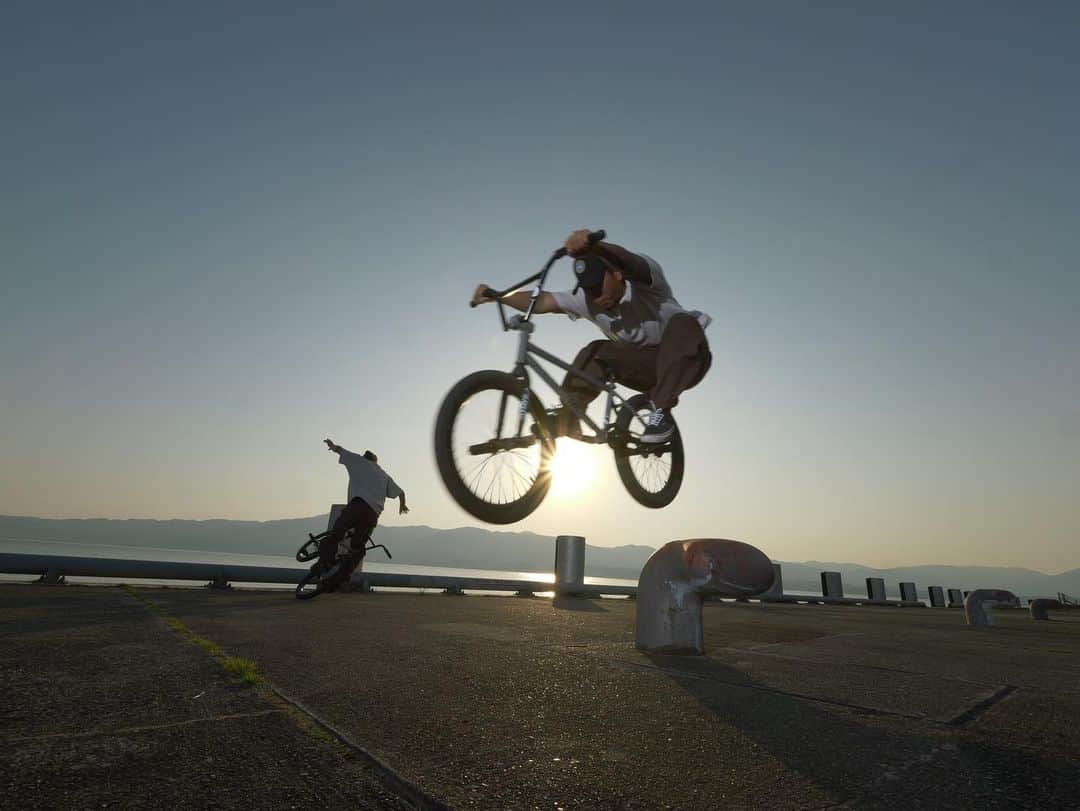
(495, 441)
(320, 580)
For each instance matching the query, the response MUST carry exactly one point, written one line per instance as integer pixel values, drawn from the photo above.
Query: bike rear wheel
(651, 474)
(489, 457)
(320, 581)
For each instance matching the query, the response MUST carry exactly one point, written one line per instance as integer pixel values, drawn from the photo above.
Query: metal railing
(53, 568)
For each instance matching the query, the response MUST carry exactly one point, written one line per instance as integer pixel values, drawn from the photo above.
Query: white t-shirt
(368, 481)
(641, 315)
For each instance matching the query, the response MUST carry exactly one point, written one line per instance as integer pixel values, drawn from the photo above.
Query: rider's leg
(356, 512)
(681, 362)
(633, 366)
(359, 540)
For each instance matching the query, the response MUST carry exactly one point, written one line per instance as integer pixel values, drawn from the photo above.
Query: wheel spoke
(504, 475)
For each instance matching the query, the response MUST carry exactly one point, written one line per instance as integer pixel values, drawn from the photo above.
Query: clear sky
(231, 230)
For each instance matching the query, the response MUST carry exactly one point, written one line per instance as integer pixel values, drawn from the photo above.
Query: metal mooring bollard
(674, 579)
(569, 563)
(976, 601)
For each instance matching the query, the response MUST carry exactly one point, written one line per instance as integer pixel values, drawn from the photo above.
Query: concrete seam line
(241, 669)
(390, 778)
(102, 733)
(386, 775)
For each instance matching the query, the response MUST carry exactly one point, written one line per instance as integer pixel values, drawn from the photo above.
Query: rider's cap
(589, 270)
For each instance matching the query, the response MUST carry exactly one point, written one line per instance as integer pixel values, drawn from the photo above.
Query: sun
(572, 469)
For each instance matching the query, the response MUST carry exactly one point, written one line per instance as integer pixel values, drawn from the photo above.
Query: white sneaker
(659, 427)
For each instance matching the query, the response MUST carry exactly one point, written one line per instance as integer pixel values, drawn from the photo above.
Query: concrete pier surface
(503, 702)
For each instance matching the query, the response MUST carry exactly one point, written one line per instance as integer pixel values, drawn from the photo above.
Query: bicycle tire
(309, 587)
(309, 551)
(669, 479)
(487, 506)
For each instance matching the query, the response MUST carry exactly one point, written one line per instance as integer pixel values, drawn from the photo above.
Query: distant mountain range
(476, 548)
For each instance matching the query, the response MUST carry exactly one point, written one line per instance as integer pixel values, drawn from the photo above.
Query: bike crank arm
(496, 445)
(645, 450)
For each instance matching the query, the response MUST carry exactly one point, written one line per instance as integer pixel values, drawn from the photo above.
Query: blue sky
(229, 232)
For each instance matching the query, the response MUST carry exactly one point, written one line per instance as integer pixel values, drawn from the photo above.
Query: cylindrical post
(569, 563)
(1039, 606)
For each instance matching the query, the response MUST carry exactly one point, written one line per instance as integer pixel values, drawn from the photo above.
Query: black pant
(357, 515)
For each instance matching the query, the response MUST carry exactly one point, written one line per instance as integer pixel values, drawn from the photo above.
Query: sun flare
(572, 469)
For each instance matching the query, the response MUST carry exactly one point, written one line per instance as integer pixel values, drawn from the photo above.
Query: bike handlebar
(488, 292)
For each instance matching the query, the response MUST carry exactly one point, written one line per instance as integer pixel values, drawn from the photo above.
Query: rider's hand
(577, 244)
(329, 444)
(402, 510)
(478, 297)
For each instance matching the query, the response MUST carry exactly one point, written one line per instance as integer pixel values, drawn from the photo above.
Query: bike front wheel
(495, 464)
(319, 581)
(311, 586)
(652, 474)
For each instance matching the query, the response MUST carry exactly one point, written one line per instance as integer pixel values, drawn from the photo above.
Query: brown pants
(665, 371)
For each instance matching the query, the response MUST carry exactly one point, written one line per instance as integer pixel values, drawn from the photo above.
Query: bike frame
(527, 350)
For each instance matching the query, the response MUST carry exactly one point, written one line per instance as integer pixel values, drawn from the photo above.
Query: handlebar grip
(487, 293)
(594, 237)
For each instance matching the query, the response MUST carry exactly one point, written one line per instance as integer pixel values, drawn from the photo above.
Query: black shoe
(659, 427)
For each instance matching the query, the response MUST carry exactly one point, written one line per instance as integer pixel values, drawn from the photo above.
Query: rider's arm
(402, 508)
(335, 448)
(633, 267)
(545, 303)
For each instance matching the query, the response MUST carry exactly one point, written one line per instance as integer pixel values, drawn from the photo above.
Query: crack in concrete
(970, 713)
(403, 788)
(682, 674)
(103, 733)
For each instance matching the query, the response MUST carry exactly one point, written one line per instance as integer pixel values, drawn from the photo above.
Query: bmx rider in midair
(653, 345)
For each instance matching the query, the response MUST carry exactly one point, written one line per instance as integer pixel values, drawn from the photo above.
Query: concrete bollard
(908, 592)
(52, 577)
(937, 597)
(220, 581)
(956, 598)
(569, 563)
(777, 588)
(832, 585)
(673, 580)
(1040, 605)
(976, 601)
(875, 589)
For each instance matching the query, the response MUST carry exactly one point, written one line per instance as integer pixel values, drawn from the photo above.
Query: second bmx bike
(322, 579)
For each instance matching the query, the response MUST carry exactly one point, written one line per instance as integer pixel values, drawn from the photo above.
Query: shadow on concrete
(872, 757)
(568, 603)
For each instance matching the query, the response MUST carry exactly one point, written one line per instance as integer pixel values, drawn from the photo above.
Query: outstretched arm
(402, 509)
(519, 300)
(335, 448)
